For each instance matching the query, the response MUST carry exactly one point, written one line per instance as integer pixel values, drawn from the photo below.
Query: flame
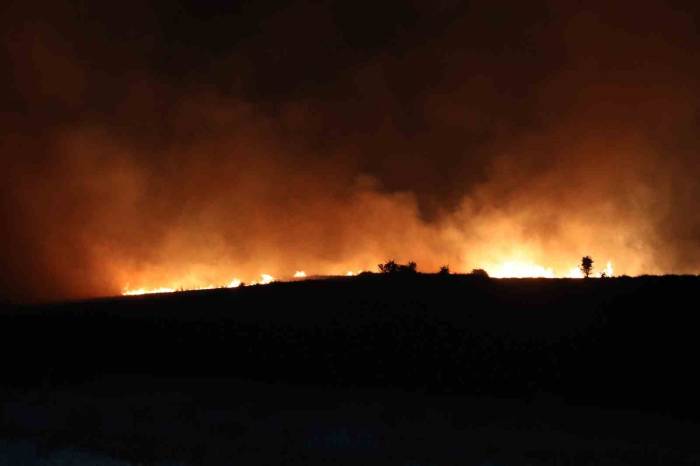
(527, 269)
(235, 283)
(575, 272)
(520, 269)
(609, 269)
(140, 291)
(264, 279)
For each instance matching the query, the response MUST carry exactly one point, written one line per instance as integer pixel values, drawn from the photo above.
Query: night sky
(182, 144)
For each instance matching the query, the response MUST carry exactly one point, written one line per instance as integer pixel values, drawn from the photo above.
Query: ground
(423, 370)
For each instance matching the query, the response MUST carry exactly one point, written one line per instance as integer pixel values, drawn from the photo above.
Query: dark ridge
(622, 342)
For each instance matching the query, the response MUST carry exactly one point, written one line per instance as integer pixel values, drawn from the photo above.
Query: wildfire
(140, 291)
(514, 268)
(524, 269)
(609, 269)
(235, 283)
(520, 269)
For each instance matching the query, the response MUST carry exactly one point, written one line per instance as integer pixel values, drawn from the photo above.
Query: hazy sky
(170, 143)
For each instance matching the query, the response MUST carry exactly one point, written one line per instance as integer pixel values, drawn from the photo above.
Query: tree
(444, 270)
(480, 273)
(389, 267)
(408, 268)
(586, 266)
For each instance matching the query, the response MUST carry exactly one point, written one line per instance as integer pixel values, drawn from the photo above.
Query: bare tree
(444, 270)
(586, 266)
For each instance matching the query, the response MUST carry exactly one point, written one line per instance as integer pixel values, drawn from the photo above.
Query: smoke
(145, 149)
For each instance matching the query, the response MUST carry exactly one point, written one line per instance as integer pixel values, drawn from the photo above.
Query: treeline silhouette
(391, 267)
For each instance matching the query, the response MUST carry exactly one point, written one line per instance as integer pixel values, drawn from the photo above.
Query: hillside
(625, 342)
(376, 369)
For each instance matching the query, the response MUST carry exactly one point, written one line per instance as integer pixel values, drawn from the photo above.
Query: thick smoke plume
(152, 146)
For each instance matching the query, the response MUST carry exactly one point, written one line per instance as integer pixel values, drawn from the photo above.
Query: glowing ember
(299, 274)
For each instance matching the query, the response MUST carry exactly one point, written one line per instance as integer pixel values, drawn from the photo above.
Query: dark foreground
(423, 370)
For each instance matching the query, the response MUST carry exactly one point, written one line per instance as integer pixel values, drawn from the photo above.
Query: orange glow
(520, 269)
(235, 283)
(609, 269)
(106, 193)
(140, 291)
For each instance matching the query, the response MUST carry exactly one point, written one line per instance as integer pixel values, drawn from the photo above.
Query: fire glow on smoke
(507, 269)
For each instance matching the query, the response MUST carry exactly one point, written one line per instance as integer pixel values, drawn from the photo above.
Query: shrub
(391, 267)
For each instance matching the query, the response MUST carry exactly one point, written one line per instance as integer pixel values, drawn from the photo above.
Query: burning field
(228, 145)
(329, 232)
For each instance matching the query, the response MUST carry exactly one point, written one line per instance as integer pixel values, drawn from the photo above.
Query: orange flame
(517, 267)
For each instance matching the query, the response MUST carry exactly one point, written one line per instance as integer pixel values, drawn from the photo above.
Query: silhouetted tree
(389, 267)
(586, 266)
(444, 270)
(408, 268)
(480, 273)
(392, 267)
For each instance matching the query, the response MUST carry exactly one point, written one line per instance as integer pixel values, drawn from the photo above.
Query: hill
(619, 345)
(623, 341)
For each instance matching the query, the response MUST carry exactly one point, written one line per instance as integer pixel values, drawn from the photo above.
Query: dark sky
(150, 144)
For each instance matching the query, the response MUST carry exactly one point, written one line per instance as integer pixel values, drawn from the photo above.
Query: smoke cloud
(152, 146)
